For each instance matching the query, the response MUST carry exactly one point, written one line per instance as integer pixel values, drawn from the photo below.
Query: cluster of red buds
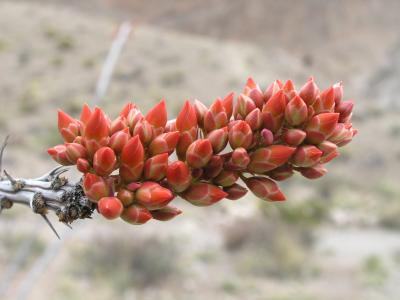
(264, 137)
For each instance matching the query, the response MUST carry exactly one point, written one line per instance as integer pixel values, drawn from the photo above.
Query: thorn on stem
(3, 146)
(16, 184)
(50, 225)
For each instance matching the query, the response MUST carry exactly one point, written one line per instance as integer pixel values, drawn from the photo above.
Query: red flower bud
(239, 160)
(240, 135)
(166, 213)
(85, 114)
(67, 126)
(281, 173)
(83, 165)
(170, 126)
(119, 139)
(289, 90)
(164, 143)
(314, 172)
(226, 178)
(339, 133)
(201, 110)
(338, 89)
(157, 116)
(214, 166)
(75, 151)
(265, 189)
(118, 124)
(253, 90)
(204, 194)
(136, 215)
(126, 109)
(96, 187)
(272, 89)
(273, 111)
(110, 207)
(126, 197)
(145, 131)
(306, 156)
(199, 153)
(235, 192)
(326, 102)
(254, 119)
(296, 111)
(309, 92)
(328, 157)
(96, 131)
(243, 107)
(156, 167)
(267, 137)
(186, 119)
(294, 137)
(345, 109)
(266, 159)
(153, 196)
(327, 147)
(104, 161)
(185, 140)
(227, 102)
(218, 139)
(59, 154)
(321, 127)
(134, 116)
(132, 160)
(178, 176)
(215, 117)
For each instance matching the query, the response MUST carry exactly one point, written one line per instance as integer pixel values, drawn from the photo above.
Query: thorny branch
(50, 192)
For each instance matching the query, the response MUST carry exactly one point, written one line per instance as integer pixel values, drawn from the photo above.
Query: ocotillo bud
(157, 116)
(243, 107)
(338, 134)
(96, 187)
(289, 90)
(267, 137)
(345, 108)
(272, 89)
(309, 92)
(201, 110)
(186, 119)
(133, 117)
(156, 167)
(164, 143)
(294, 137)
(166, 213)
(119, 139)
(136, 215)
(296, 111)
(281, 173)
(328, 157)
(235, 192)
(327, 147)
(118, 124)
(59, 154)
(314, 172)
(104, 161)
(215, 117)
(338, 88)
(110, 207)
(178, 176)
(214, 166)
(227, 102)
(218, 139)
(253, 90)
(239, 160)
(203, 194)
(240, 135)
(273, 111)
(199, 153)
(75, 151)
(126, 109)
(325, 102)
(153, 196)
(83, 165)
(67, 126)
(132, 160)
(306, 156)
(145, 131)
(185, 140)
(170, 126)
(226, 178)
(126, 197)
(96, 131)
(321, 127)
(85, 114)
(254, 119)
(266, 159)
(265, 189)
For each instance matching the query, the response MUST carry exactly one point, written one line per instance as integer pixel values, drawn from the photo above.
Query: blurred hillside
(334, 238)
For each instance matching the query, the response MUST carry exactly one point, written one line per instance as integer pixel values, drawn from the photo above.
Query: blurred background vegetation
(335, 238)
